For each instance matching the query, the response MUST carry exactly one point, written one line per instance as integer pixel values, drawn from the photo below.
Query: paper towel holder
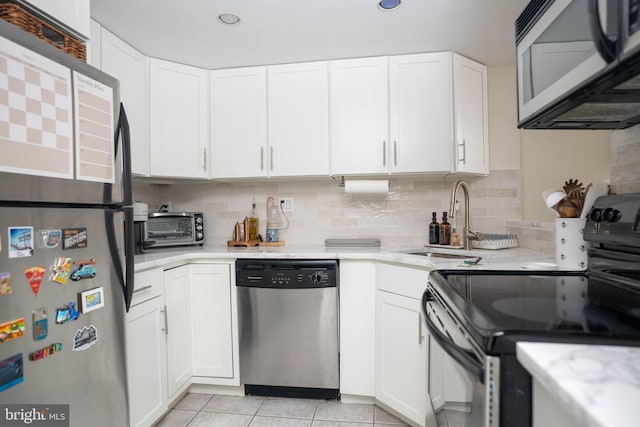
(375, 190)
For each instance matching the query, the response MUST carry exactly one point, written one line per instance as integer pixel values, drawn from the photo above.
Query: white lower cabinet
(402, 344)
(357, 328)
(178, 329)
(214, 323)
(146, 350)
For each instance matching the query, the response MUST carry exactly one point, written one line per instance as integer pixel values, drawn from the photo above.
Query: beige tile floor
(198, 410)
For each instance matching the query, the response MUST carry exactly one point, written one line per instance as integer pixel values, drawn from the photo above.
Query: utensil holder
(571, 249)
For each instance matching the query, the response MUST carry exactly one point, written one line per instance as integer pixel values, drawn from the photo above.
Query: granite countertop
(597, 385)
(503, 259)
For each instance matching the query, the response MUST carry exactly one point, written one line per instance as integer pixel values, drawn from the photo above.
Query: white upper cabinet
(471, 116)
(298, 119)
(420, 109)
(239, 122)
(179, 105)
(73, 15)
(130, 67)
(359, 116)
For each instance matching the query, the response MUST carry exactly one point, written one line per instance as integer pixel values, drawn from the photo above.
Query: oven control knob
(199, 236)
(198, 220)
(316, 278)
(199, 227)
(611, 215)
(595, 215)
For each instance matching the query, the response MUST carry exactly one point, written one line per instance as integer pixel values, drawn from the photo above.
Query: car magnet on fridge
(85, 270)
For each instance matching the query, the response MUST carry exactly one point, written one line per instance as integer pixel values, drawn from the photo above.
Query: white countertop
(598, 385)
(503, 259)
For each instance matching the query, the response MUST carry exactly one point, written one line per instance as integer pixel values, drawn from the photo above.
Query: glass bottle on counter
(253, 222)
(445, 230)
(434, 229)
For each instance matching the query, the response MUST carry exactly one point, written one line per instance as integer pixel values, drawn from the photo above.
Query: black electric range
(478, 316)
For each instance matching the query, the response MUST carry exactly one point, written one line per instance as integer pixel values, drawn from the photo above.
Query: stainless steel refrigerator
(66, 247)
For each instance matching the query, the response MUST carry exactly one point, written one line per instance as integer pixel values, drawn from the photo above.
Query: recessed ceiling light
(229, 18)
(389, 4)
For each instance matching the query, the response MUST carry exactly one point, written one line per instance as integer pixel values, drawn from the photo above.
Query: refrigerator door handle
(124, 277)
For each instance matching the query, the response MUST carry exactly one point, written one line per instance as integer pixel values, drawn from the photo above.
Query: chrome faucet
(468, 233)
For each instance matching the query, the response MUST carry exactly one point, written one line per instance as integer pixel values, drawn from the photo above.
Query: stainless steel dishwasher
(288, 315)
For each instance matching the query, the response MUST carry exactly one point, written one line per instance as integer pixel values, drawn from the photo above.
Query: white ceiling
(284, 31)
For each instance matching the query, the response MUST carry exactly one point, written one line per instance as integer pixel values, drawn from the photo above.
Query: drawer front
(148, 284)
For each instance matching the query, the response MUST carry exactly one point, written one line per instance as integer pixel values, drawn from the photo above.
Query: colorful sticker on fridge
(85, 270)
(11, 330)
(74, 238)
(61, 270)
(5, 283)
(85, 338)
(40, 324)
(35, 275)
(46, 352)
(92, 299)
(67, 313)
(11, 372)
(48, 239)
(20, 242)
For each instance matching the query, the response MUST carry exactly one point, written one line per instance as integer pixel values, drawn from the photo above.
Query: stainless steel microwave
(174, 229)
(578, 64)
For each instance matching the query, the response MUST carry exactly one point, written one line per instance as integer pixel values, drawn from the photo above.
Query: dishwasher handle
(468, 361)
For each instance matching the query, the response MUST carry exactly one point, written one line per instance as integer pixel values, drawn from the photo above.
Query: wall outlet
(287, 204)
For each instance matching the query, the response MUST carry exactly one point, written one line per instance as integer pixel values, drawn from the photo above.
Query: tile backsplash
(625, 160)
(323, 210)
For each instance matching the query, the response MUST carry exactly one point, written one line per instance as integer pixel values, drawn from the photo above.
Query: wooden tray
(243, 243)
(279, 243)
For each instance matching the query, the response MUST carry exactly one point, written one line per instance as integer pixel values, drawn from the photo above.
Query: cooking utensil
(551, 198)
(597, 190)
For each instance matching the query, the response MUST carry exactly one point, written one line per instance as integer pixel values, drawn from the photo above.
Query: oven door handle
(463, 357)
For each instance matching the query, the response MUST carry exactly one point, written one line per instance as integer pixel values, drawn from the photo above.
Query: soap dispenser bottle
(445, 230)
(434, 230)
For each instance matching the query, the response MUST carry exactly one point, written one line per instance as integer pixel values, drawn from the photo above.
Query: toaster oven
(174, 229)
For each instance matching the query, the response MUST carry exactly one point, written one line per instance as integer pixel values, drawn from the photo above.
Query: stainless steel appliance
(65, 227)
(174, 229)
(478, 316)
(578, 63)
(288, 311)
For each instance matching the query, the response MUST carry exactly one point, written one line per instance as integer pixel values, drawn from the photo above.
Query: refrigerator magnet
(12, 330)
(92, 299)
(67, 313)
(5, 283)
(20, 242)
(85, 338)
(48, 239)
(46, 352)
(61, 269)
(11, 372)
(85, 270)
(40, 324)
(74, 238)
(34, 275)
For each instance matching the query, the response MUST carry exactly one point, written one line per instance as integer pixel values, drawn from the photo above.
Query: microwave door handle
(468, 361)
(605, 45)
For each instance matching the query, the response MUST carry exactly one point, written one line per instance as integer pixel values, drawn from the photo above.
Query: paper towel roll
(380, 186)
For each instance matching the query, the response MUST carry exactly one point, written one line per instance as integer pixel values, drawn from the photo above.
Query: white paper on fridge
(95, 160)
(36, 132)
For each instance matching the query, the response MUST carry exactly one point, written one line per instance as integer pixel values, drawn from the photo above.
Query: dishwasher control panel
(290, 274)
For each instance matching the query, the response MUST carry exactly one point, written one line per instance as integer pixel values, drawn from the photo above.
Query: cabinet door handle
(204, 159)
(166, 323)
(395, 153)
(271, 158)
(420, 335)
(144, 288)
(463, 158)
(384, 153)
(261, 158)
